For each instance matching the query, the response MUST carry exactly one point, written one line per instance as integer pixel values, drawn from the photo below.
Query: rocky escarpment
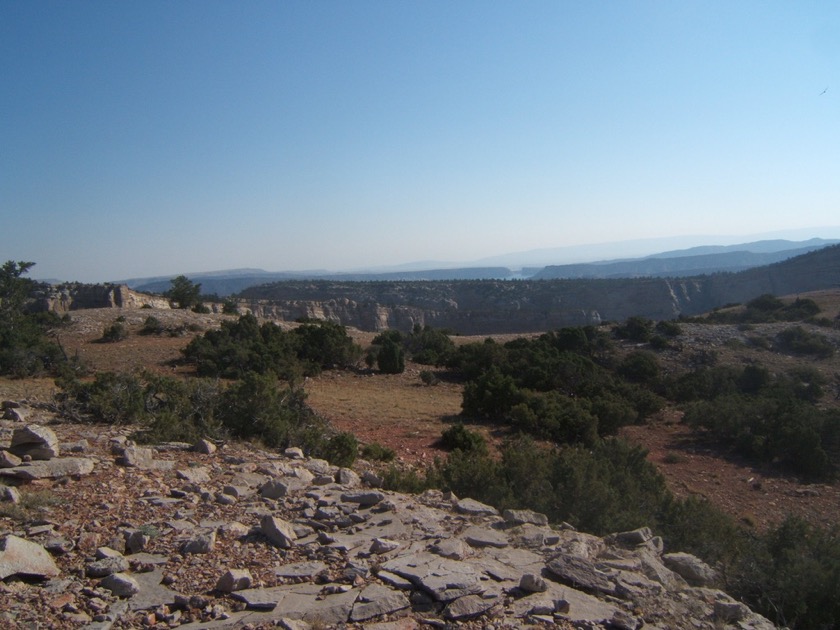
(63, 298)
(488, 307)
(195, 536)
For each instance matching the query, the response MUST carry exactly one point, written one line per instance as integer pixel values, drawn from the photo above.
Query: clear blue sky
(154, 138)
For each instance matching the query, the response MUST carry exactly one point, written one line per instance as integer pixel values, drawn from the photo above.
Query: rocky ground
(99, 533)
(196, 534)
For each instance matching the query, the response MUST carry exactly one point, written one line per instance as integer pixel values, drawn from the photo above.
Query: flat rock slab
(152, 593)
(300, 569)
(442, 578)
(523, 517)
(468, 607)
(581, 573)
(52, 469)
(364, 498)
(484, 537)
(582, 607)
(19, 556)
(301, 601)
(376, 600)
(472, 507)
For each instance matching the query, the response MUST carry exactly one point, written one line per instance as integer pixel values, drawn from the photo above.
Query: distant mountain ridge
(676, 263)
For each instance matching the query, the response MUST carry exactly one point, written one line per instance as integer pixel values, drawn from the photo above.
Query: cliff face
(517, 307)
(488, 307)
(63, 298)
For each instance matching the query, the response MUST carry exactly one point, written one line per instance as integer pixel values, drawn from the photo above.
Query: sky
(157, 138)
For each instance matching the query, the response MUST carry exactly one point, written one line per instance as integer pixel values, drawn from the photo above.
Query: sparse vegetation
(378, 453)
(115, 332)
(184, 293)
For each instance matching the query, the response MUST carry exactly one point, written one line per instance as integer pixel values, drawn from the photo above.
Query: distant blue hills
(694, 261)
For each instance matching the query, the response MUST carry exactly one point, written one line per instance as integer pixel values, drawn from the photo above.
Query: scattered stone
(383, 545)
(523, 517)
(9, 459)
(136, 540)
(372, 479)
(347, 477)
(467, 607)
(137, 457)
(582, 573)
(19, 556)
(635, 537)
(9, 494)
(300, 569)
(205, 447)
(274, 489)
(293, 453)
(624, 621)
(15, 412)
(472, 507)
(52, 469)
(121, 584)
(203, 542)
(197, 475)
(278, 531)
(452, 548)
(234, 580)
(730, 611)
(38, 442)
(364, 498)
(532, 583)
(691, 568)
(106, 566)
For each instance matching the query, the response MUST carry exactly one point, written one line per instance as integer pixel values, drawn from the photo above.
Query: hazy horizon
(157, 138)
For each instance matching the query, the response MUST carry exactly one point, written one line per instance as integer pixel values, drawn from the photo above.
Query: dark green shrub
(152, 326)
(341, 449)
(429, 378)
(792, 576)
(797, 340)
(391, 358)
(320, 345)
(115, 332)
(491, 395)
(635, 329)
(378, 453)
(668, 329)
(201, 309)
(556, 417)
(111, 397)
(639, 367)
(230, 307)
(256, 408)
(766, 303)
(429, 346)
(459, 437)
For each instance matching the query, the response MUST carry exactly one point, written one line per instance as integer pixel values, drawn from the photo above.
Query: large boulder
(36, 441)
(19, 556)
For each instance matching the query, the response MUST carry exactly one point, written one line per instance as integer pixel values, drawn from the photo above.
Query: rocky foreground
(97, 532)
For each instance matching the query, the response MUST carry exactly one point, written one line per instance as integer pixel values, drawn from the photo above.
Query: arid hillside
(401, 412)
